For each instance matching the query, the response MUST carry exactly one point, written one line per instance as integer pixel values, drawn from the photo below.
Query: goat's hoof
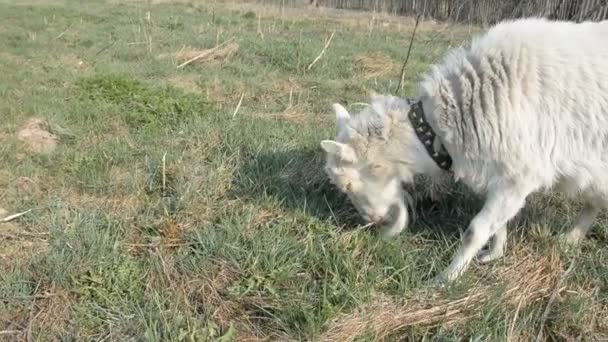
(439, 281)
(571, 238)
(569, 241)
(485, 256)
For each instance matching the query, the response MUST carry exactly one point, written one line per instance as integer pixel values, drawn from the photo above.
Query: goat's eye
(349, 187)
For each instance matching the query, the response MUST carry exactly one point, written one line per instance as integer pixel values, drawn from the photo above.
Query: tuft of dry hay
(373, 65)
(35, 134)
(210, 292)
(292, 115)
(219, 54)
(527, 281)
(17, 245)
(187, 83)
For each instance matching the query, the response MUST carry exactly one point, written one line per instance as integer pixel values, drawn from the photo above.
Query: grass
(164, 214)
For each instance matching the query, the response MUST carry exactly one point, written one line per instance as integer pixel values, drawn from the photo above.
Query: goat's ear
(341, 151)
(342, 116)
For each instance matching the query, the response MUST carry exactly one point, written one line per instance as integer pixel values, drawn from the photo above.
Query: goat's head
(359, 163)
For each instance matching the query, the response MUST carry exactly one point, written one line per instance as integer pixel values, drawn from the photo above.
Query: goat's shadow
(295, 179)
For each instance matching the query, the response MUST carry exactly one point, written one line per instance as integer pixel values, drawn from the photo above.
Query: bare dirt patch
(37, 136)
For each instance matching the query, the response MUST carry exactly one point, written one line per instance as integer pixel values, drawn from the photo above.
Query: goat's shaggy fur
(525, 108)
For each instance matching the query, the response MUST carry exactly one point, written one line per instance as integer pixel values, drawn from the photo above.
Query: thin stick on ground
(204, 54)
(238, 106)
(260, 33)
(322, 51)
(28, 332)
(9, 332)
(554, 294)
(401, 83)
(14, 216)
(164, 173)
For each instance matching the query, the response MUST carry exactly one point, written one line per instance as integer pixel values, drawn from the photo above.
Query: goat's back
(528, 97)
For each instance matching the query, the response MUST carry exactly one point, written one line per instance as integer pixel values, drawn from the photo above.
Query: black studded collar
(427, 136)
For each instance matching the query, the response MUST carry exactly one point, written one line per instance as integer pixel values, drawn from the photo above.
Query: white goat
(524, 109)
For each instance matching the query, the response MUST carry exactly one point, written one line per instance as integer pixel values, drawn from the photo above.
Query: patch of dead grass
(185, 82)
(74, 63)
(48, 311)
(16, 245)
(291, 115)
(262, 217)
(12, 58)
(55, 311)
(37, 136)
(286, 86)
(374, 65)
(209, 294)
(216, 55)
(530, 279)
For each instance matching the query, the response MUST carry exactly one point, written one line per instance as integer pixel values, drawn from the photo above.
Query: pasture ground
(182, 204)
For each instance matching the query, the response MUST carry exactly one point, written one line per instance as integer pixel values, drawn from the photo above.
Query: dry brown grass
(216, 55)
(74, 63)
(55, 311)
(285, 86)
(530, 279)
(292, 115)
(119, 205)
(48, 310)
(185, 82)
(35, 134)
(374, 65)
(18, 245)
(8, 57)
(208, 293)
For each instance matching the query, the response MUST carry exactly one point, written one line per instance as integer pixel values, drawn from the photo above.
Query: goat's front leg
(500, 206)
(496, 247)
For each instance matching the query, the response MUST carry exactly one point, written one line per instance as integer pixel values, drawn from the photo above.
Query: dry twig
(204, 54)
(164, 185)
(322, 51)
(14, 216)
(238, 106)
(407, 57)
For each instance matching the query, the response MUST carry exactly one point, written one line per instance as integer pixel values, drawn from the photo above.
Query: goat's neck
(423, 163)
(411, 156)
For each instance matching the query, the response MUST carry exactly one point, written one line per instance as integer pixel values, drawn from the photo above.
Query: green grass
(162, 215)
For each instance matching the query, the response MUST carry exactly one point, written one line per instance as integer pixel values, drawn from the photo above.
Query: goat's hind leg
(582, 225)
